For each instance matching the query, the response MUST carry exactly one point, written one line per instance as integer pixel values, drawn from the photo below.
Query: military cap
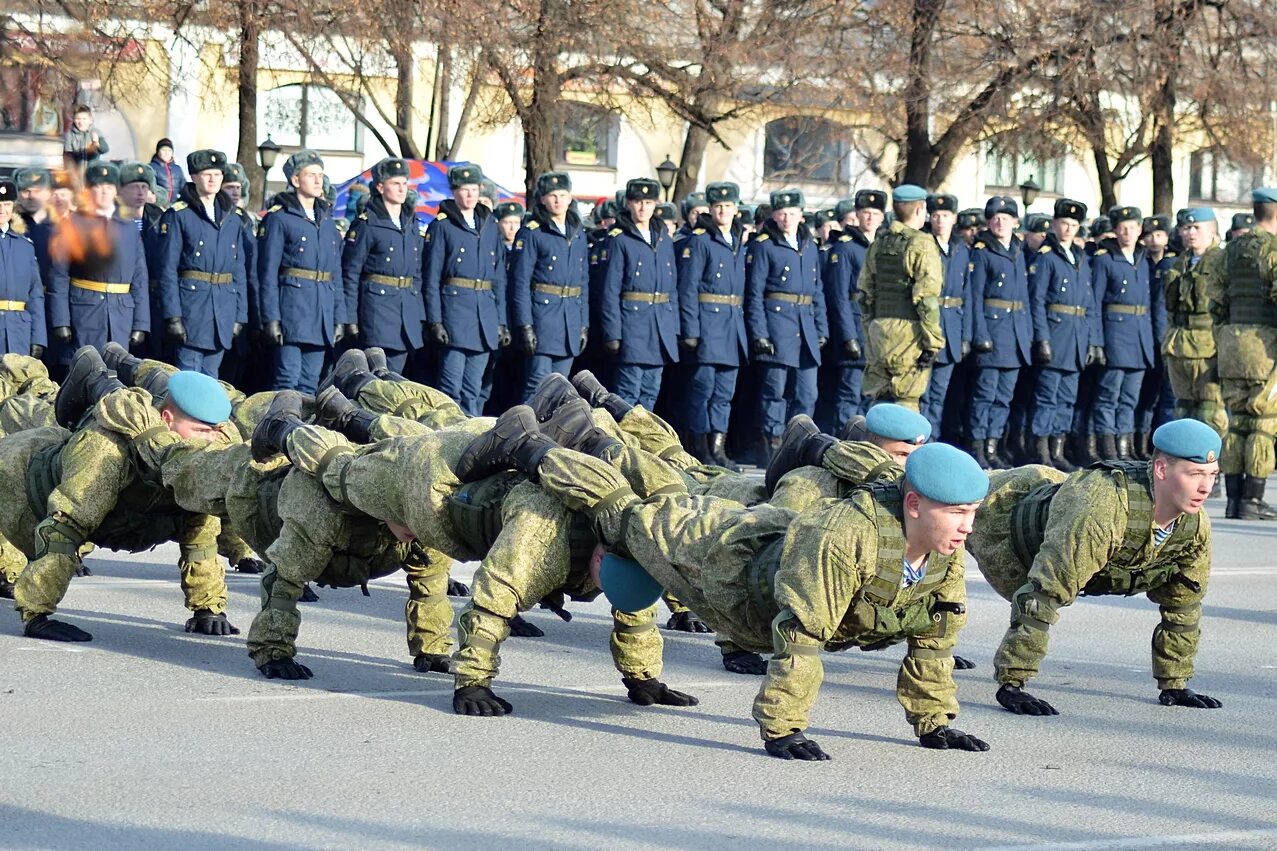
(300, 160)
(1067, 208)
(395, 167)
(723, 192)
(462, 175)
(896, 422)
(824, 217)
(205, 160)
(26, 178)
(746, 216)
(1083, 231)
(946, 474)
(330, 191)
(137, 173)
(787, 198)
(1001, 204)
(235, 173)
(199, 396)
(509, 208)
(411, 201)
(1037, 223)
(488, 189)
(8, 191)
(642, 189)
(1179, 216)
(61, 179)
(1101, 225)
(870, 199)
(908, 192)
(1264, 195)
(940, 201)
(1197, 215)
(552, 181)
(618, 198)
(627, 586)
(1192, 440)
(358, 188)
(667, 212)
(1161, 222)
(970, 218)
(844, 208)
(100, 174)
(605, 210)
(1117, 215)
(1242, 220)
(762, 212)
(693, 200)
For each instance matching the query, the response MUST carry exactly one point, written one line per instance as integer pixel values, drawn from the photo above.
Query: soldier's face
(165, 154)
(185, 427)
(869, 220)
(234, 191)
(394, 190)
(1002, 225)
(208, 182)
(134, 194)
(1034, 240)
(723, 213)
(596, 563)
(33, 198)
(1065, 230)
(6, 213)
(1128, 233)
(62, 200)
(1199, 236)
(1156, 240)
(1182, 486)
(641, 210)
(694, 215)
(509, 227)
(467, 197)
(936, 527)
(103, 195)
(557, 202)
(942, 222)
(788, 219)
(309, 182)
(898, 449)
(671, 226)
(825, 230)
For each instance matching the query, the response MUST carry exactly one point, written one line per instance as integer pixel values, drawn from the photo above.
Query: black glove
(41, 626)
(612, 347)
(982, 347)
(6, 589)
(352, 331)
(274, 333)
(438, 663)
(528, 340)
(853, 350)
(1187, 697)
(521, 628)
(554, 603)
(439, 334)
(1019, 701)
(82, 569)
(503, 336)
(339, 332)
(206, 623)
(37, 351)
(689, 344)
(763, 346)
(62, 334)
(479, 700)
(1041, 352)
(237, 328)
(686, 622)
(175, 329)
(965, 349)
(1095, 355)
(820, 342)
(457, 589)
(946, 738)
(137, 338)
(745, 662)
(648, 692)
(962, 663)
(249, 565)
(285, 669)
(795, 746)
(308, 595)
(585, 337)
(926, 359)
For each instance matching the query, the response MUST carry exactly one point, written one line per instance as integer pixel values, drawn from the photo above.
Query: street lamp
(665, 173)
(267, 152)
(1029, 192)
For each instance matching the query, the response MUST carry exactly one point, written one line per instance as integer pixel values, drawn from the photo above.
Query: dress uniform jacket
(784, 299)
(549, 283)
(21, 295)
(470, 311)
(1000, 302)
(98, 280)
(1127, 301)
(381, 264)
(843, 262)
(711, 294)
(299, 272)
(639, 305)
(1064, 311)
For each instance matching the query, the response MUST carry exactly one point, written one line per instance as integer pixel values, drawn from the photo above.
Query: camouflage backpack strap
(43, 474)
(475, 510)
(1028, 522)
(881, 588)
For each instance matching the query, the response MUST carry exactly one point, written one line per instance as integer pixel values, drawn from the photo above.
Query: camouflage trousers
(892, 373)
(1198, 396)
(26, 394)
(412, 401)
(1247, 363)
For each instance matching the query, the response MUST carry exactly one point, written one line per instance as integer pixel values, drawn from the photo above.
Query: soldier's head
(8, 198)
(1265, 206)
(871, 209)
(137, 184)
(1157, 233)
(304, 171)
(103, 183)
(1241, 223)
(1185, 465)
(464, 181)
(1199, 229)
(235, 183)
(642, 194)
(693, 205)
(488, 194)
(909, 203)
(392, 181)
(554, 193)
(1128, 226)
(1002, 217)
(825, 223)
(195, 406)
(787, 210)
(668, 214)
(893, 428)
(82, 118)
(942, 488)
(969, 223)
(942, 213)
(1036, 227)
(34, 186)
(206, 170)
(1067, 219)
(509, 218)
(627, 586)
(724, 200)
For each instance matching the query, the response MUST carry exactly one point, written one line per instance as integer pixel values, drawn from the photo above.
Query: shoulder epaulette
(698, 231)
(846, 237)
(422, 230)
(1172, 254)
(978, 245)
(615, 232)
(533, 225)
(363, 217)
(1100, 251)
(276, 208)
(179, 206)
(762, 237)
(441, 215)
(239, 211)
(1046, 249)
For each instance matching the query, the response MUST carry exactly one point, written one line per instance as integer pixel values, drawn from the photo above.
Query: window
(805, 149)
(310, 116)
(1006, 166)
(1213, 178)
(33, 99)
(588, 136)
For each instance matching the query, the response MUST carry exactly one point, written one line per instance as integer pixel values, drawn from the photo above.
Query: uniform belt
(100, 287)
(1195, 321)
(648, 298)
(1067, 309)
(306, 274)
(206, 277)
(402, 283)
(714, 298)
(468, 284)
(1129, 309)
(951, 301)
(799, 300)
(555, 289)
(5, 304)
(1003, 304)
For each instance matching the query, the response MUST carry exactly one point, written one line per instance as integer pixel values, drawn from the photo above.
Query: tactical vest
(1128, 571)
(1249, 302)
(893, 294)
(1185, 287)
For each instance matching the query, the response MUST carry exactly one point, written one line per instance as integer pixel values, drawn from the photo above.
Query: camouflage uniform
(1043, 539)
(1189, 345)
(26, 394)
(844, 466)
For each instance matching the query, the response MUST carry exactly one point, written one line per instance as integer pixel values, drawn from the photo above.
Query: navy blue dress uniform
(840, 274)
(638, 310)
(299, 278)
(785, 317)
(549, 287)
(955, 315)
(465, 286)
(381, 263)
(688, 209)
(147, 220)
(22, 328)
(711, 297)
(203, 288)
(1001, 329)
(236, 362)
(97, 292)
(1066, 318)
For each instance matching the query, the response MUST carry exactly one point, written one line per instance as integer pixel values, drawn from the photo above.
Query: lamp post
(1029, 192)
(267, 152)
(665, 173)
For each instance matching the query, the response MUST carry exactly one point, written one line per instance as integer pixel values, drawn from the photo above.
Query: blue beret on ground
(1198, 214)
(896, 422)
(199, 396)
(1264, 195)
(946, 474)
(627, 586)
(908, 192)
(1192, 440)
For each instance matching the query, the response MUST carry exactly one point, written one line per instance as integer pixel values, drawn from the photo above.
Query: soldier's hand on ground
(1019, 701)
(503, 336)
(249, 565)
(961, 663)
(982, 347)
(439, 334)
(457, 589)
(528, 340)
(926, 359)
(237, 328)
(853, 350)
(745, 662)
(274, 333)
(648, 692)
(689, 344)
(686, 622)
(1095, 356)
(205, 622)
(37, 351)
(82, 569)
(137, 338)
(308, 595)
(612, 347)
(763, 346)
(479, 700)
(284, 669)
(520, 628)
(433, 663)
(62, 334)
(946, 738)
(175, 329)
(554, 603)
(41, 626)
(795, 746)
(1187, 697)
(1041, 352)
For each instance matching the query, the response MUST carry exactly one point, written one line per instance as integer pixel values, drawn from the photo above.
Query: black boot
(1042, 451)
(1108, 447)
(514, 442)
(351, 360)
(377, 363)
(698, 447)
(976, 449)
(352, 381)
(1057, 455)
(718, 451)
(553, 390)
(1139, 447)
(569, 424)
(1233, 492)
(855, 429)
(802, 445)
(996, 461)
(589, 388)
(117, 358)
(283, 417)
(1014, 450)
(87, 381)
(155, 383)
(333, 410)
(1123, 446)
(616, 406)
(1092, 451)
(1252, 505)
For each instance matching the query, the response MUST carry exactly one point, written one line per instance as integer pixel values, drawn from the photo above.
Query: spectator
(83, 144)
(169, 178)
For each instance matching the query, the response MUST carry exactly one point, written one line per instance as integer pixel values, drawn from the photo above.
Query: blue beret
(946, 474)
(199, 396)
(300, 160)
(1192, 440)
(627, 586)
(643, 189)
(787, 198)
(102, 174)
(870, 199)
(1198, 214)
(205, 159)
(1001, 204)
(908, 192)
(552, 181)
(1264, 195)
(723, 192)
(896, 422)
(463, 175)
(941, 201)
